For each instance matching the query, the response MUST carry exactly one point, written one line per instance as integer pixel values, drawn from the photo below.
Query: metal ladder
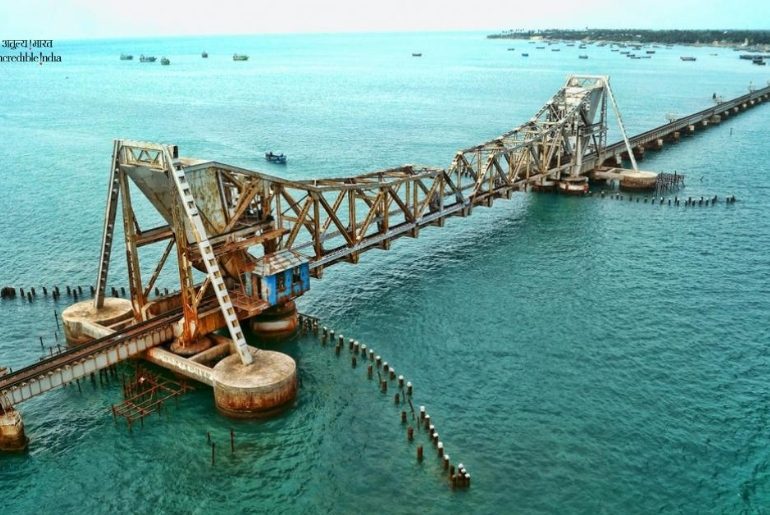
(620, 124)
(209, 259)
(109, 227)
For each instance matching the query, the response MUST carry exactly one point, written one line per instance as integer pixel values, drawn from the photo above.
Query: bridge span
(258, 238)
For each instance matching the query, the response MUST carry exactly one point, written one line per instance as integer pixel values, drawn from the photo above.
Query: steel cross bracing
(228, 222)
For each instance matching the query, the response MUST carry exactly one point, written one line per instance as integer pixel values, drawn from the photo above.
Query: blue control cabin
(283, 275)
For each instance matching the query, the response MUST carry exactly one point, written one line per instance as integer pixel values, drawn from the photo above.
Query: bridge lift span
(246, 244)
(258, 238)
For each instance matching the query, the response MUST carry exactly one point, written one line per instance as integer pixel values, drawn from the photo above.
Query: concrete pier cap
(262, 389)
(83, 322)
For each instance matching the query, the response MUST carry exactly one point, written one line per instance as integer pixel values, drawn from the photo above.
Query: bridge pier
(691, 129)
(262, 389)
(12, 436)
(657, 144)
(716, 119)
(275, 323)
(83, 322)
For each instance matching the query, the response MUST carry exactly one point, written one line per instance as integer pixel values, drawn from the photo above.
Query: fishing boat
(164, 61)
(240, 57)
(511, 49)
(126, 57)
(759, 61)
(204, 55)
(556, 50)
(650, 51)
(583, 57)
(276, 158)
(687, 58)
(416, 54)
(525, 54)
(147, 59)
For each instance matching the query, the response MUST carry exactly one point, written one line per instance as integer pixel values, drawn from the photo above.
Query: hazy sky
(51, 19)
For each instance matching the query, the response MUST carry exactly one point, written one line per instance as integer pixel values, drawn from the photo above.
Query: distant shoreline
(746, 39)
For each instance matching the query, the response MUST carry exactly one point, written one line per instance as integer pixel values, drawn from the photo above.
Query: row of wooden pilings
(676, 201)
(456, 474)
(75, 292)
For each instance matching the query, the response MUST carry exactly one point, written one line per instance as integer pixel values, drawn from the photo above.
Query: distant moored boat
(416, 54)
(164, 61)
(583, 57)
(126, 57)
(240, 57)
(687, 58)
(147, 59)
(525, 54)
(204, 55)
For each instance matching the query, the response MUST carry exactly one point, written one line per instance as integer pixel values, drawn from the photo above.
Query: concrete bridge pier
(639, 152)
(12, 436)
(691, 129)
(674, 137)
(83, 322)
(716, 119)
(275, 323)
(657, 144)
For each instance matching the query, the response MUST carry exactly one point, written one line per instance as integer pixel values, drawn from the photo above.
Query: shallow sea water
(577, 355)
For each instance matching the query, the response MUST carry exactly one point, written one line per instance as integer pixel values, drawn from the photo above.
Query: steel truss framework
(245, 216)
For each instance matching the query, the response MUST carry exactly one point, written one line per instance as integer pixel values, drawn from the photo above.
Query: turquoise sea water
(577, 355)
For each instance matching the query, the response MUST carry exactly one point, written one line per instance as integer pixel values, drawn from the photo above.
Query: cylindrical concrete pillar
(275, 323)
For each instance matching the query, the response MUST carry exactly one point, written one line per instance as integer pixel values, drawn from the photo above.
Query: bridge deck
(83, 360)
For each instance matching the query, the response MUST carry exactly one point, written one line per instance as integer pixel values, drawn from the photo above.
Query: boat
(126, 57)
(556, 50)
(540, 47)
(687, 58)
(416, 54)
(574, 185)
(511, 49)
(147, 59)
(583, 56)
(240, 57)
(275, 158)
(582, 46)
(759, 61)
(205, 55)
(164, 61)
(650, 51)
(525, 54)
